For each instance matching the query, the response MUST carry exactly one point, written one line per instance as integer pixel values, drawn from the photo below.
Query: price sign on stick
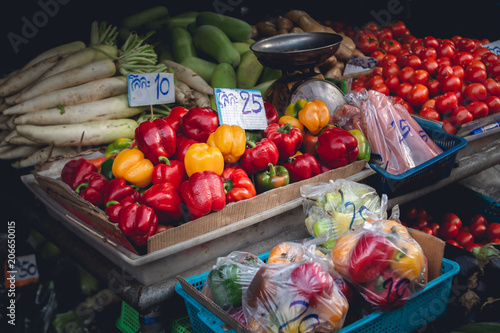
(241, 107)
(150, 89)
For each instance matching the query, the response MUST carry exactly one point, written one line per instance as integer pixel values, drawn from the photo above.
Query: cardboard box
(433, 248)
(95, 218)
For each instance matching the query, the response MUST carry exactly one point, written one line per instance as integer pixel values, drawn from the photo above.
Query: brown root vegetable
(329, 63)
(308, 24)
(357, 52)
(329, 29)
(347, 41)
(336, 71)
(266, 28)
(282, 32)
(255, 32)
(296, 30)
(283, 23)
(294, 14)
(343, 53)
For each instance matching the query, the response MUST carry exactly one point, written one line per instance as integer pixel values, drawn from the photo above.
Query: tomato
(430, 113)
(392, 83)
(366, 42)
(426, 52)
(472, 246)
(476, 63)
(427, 230)
(419, 76)
(430, 41)
(444, 61)
(390, 46)
(435, 228)
(405, 74)
(453, 218)
(461, 116)
(398, 28)
(496, 240)
(417, 95)
(458, 71)
(464, 238)
(388, 59)
(493, 70)
(463, 58)
(410, 213)
(489, 58)
(480, 51)
(492, 86)
(448, 230)
(377, 79)
(450, 83)
(403, 89)
(411, 60)
(443, 71)
(376, 71)
(476, 74)
(446, 103)
(384, 33)
(406, 105)
(433, 86)
(478, 230)
(453, 242)
(445, 50)
(475, 92)
(493, 231)
(421, 223)
(466, 44)
(478, 218)
(379, 55)
(391, 69)
(478, 109)
(448, 127)
(423, 214)
(493, 103)
(372, 26)
(359, 82)
(430, 65)
(382, 88)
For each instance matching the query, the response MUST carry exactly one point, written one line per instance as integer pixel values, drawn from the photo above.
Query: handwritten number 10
(159, 86)
(245, 96)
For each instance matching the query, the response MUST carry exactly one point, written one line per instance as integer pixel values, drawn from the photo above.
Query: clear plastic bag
(229, 278)
(392, 132)
(383, 263)
(301, 296)
(348, 117)
(335, 207)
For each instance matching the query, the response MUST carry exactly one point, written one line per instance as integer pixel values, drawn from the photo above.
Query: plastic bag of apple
(452, 80)
(186, 165)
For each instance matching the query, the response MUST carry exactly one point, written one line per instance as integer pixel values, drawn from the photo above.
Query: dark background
(441, 19)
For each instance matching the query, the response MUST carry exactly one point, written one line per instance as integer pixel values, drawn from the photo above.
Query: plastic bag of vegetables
(383, 263)
(296, 296)
(333, 208)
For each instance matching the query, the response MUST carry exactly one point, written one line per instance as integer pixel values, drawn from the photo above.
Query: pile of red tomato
(450, 228)
(450, 80)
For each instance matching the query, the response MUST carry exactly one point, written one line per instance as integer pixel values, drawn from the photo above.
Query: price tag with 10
(150, 89)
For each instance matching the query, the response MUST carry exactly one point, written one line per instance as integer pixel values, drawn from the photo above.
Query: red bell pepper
(257, 156)
(138, 222)
(172, 171)
(337, 147)
(272, 115)
(370, 257)
(174, 117)
(74, 170)
(302, 167)
(155, 138)
(237, 185)
(91, 188)
(203, 192)
(165, 200)
(113, 207)
(182, 145)
(387, 292)
(286, 137)
(312, 282)
(118, 189)
(199, 123)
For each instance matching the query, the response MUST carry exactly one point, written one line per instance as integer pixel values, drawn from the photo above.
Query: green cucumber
(236, 29)
(181, 20)
(182, 44)
(269, 73)
(215, 43)
(264, 86)
(202, 67)
(224, 76)
(151, 14)
(241, 47)
(249, 71)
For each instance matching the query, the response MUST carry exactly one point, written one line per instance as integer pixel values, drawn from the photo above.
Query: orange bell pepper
(231, 140)
(131, 165)
(202, 157)
(314, 116)
(309, 144)
(293, 121)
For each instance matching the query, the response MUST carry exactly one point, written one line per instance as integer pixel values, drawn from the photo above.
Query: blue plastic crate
(428, 172)
(417, 312)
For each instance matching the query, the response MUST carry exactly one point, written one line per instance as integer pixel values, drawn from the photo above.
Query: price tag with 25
(150, 89)
(242, 107)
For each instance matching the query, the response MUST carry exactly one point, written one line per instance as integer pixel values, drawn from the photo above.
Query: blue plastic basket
(417, 312)
(428, 172)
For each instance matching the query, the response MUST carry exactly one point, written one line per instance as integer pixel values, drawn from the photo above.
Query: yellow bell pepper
(231, 140)
(314, 116)
(202, 157)
(294, 108)
(408, 261)
(292, 121)
(131, 165)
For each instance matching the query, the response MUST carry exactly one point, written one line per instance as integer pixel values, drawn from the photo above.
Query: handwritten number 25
(254, 107)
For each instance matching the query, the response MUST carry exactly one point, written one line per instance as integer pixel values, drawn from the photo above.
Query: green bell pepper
(117, 146)
(225, 287)
(363, 145)
(276, 176)
(294, 108)
(106, 168)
